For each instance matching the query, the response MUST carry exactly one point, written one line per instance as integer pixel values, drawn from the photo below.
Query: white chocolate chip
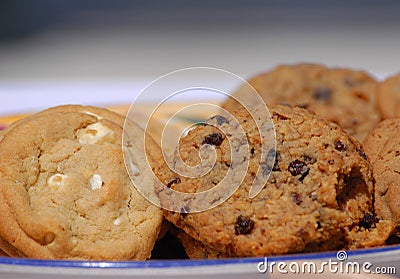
(117, 222)
(57, 180)
(95, 133)
(96, 182)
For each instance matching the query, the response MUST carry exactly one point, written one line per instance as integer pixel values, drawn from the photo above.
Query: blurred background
(98, 51)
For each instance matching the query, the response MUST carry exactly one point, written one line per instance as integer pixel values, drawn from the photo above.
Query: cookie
(91, 110)
(344, 96)
(389, 97)
(66, 193)
(320, 186)
(382, 149)
(197, 250)
(6, 249)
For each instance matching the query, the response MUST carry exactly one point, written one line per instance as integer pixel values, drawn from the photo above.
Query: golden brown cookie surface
(321, 184)
(344, 96)
(382, 148)
(389, 97)
(66, 193)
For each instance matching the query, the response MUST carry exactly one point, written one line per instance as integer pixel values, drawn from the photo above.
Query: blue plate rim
(186, 263)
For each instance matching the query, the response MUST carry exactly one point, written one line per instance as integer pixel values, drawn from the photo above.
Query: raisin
(331, 162)
(220, 119)
(339, 146)
(369, 220)
(326, 145)
(361, 153)
(176, 180)
(184, 211)
(244, 225)
(322, 94)
(213, 139)
(298, 167)
(297, 198)
(252, 151)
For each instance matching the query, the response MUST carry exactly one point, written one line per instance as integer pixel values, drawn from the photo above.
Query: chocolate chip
(220, 119)
(322, 94)
(298, 167)
(252, 151)
(339, 146)
(326, 145)
(213, 139)
(319, 225)
(244, 225)
(361, 153)
(176, 180)
(297, 198)
(369, 220)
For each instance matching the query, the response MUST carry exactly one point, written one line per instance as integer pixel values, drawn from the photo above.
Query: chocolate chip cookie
(320, 187)
(382, 148)
(65, 192)
(389, 97)
(344, 96)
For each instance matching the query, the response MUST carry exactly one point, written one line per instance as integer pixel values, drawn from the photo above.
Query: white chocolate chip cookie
(65, 192)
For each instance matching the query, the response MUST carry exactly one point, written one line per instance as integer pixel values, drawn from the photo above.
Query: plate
(364, 263)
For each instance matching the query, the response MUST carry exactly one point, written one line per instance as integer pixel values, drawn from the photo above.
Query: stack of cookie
(65, 192)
